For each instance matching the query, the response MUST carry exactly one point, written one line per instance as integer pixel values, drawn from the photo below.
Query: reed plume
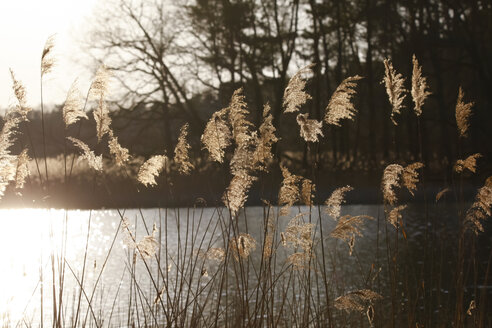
(8, 162)
(300, 260)
(419, 87)
(394, 88)
(237, 193)
(394, 216)
(8, 165)
(469, 163)
(237, 113)
(480, 209)
(181, 156)
(294, 94)
(100, 85)
(289, 191)
(217, 135)
(151, 169)
(21, 95)
(340, 105)
(310, 129)
(348, 227)
(410, 176)
(242, 246)
(242, 162)
(307, 192)
(334, 202)
(22, 169)
(463, 113)
(120, 153)
(298, 233)
(147, 246)
(94, 161)
(263, 152)
(214, 253)
(390, 181)
(356, 300)
(47, 58)
(103, 121)
(72, 109)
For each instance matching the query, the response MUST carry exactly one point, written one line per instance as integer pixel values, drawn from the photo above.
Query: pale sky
(24, 27)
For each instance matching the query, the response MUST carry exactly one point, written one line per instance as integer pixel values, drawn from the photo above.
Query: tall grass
(220, 270)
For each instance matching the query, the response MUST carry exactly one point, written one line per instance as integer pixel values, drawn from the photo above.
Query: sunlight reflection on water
(33, 241)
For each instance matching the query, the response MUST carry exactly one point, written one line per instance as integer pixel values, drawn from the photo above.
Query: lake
(52, 245)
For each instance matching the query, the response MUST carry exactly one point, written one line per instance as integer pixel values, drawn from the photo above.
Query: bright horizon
(25, 26)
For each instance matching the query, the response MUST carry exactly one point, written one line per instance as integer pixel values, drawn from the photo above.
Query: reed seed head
(94, 161)
(340, 105)
(419, 87)
(463, 113)
(395, 89)
(294, 94)
(151, 169)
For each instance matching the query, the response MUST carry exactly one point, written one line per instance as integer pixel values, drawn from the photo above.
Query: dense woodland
(179, 62)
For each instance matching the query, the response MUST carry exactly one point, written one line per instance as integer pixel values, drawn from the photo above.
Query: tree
(143, 47)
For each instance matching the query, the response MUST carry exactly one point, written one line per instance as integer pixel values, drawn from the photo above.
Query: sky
(24, 27)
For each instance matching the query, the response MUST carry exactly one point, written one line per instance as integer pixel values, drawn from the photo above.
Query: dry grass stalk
(334, 202)
(419, 87)
(47, 58)
(120, 154)
(462, 113)
(340, 105)
(410, 176)
(479, 210)
(394, 88)
(94, 161)
(72, 109)
(263, 152)
(294, 94)
(242, 246)
(21, 95)
(310, 129)
(470, 163)
(356, 300)
(158, 298)
(289, 191)
(394, 216)
(441, 193)
(22, 169)
(151, 169)
(298, 233)
(348, 227)
(308, 189)
(217, 135)
(181, 156)
(390, 181)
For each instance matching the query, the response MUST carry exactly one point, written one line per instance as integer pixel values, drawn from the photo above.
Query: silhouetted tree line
(179, 62)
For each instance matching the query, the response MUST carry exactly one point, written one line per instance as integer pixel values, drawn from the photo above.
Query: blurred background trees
(179, 61)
